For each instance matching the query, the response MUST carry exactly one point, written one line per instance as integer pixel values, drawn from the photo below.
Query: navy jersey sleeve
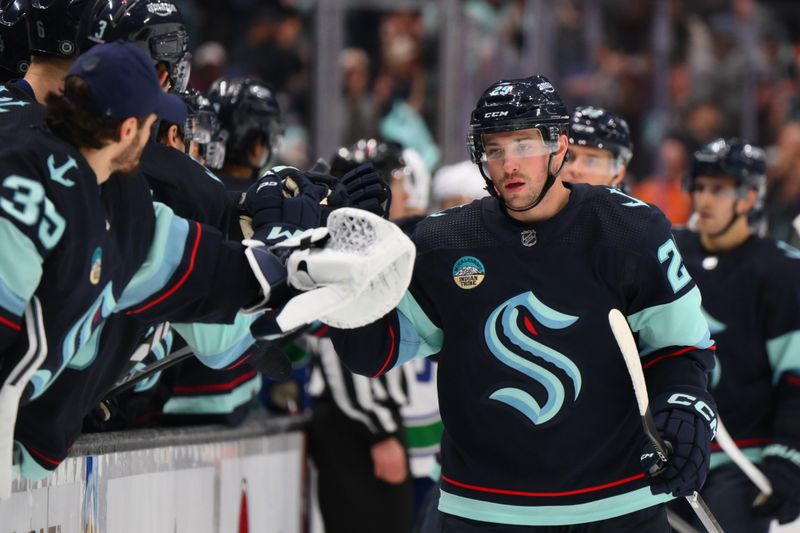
(780, 318)
(664, 312)
(411, 331)
(191, 274)
(30, 227)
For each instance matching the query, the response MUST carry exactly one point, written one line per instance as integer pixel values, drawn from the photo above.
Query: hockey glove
(688, 432)
(781, 465)
(367, 190)
(354, 272)
(275, 216)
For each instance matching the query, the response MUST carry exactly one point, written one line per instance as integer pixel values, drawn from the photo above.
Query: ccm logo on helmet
(495, 114)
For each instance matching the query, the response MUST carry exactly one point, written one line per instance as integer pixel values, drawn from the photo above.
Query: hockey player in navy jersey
(751, 297)
(80, 245)
(600, 148)
(513, 293)
(51, 424)
(251, 123)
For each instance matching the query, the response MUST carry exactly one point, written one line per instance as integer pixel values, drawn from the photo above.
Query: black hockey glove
(283, 202)
(781, 465)
(335, 195)
(688, 434)
(367, 190)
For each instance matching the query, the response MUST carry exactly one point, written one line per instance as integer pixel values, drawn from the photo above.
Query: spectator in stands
(665, 188)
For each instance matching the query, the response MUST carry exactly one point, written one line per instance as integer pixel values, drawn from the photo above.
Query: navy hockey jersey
(18, 106)
(47, 428)
(86, 252)
(541, 425)
(751, 297)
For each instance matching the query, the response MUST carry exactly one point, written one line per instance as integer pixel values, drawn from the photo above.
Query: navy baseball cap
(123, 83)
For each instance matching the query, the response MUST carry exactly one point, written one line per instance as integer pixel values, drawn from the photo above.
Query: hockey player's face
(594, 166)
(127, 162)
(517, 163)
(714, 202)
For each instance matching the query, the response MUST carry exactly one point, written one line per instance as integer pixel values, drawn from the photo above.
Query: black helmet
(53, 26)
(598, 128)
(742, 161)
(511, 105)
(14, 53)
(156, 27)
(386, 157)
(247, 110)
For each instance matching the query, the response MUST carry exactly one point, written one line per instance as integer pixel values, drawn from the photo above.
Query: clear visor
(521, 144)
(179, 73)
(201, 126)
(215, 153)
(593, 162)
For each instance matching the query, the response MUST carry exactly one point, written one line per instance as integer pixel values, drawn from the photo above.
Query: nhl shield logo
(96, 270)
(529, 237)
(468, 272)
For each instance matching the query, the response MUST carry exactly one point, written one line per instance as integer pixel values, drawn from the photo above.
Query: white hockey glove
(352, 273)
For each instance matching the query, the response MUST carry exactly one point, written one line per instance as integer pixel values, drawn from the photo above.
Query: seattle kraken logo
(507, 315)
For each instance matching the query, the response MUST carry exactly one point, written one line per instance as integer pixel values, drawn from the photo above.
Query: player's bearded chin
(128, 161)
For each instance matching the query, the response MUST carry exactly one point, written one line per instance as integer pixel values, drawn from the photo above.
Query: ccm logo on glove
(702, 408)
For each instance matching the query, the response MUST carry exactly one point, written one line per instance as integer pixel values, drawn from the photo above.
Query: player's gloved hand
(781, 465)
(335, 196)
(277, 217)
(367, 190)
(688, 435)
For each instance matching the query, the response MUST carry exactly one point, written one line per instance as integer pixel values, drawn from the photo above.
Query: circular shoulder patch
(468, 272)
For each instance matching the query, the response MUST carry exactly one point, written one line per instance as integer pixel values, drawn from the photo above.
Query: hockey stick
(630, 353)
(270, 361)
(751, 471)
(679, 524)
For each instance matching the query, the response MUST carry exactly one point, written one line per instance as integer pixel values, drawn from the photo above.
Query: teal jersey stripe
(166, 251)
(28, 467)
(20, 268)
(219, 345)
(677, 323)
(10, 301)
(721, 458)
(419, 337)
(784, 354)
(217, 404)
(550, 515)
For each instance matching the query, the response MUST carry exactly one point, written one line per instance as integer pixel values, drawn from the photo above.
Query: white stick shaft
(630, 353)
(627, 345)
(728, 446)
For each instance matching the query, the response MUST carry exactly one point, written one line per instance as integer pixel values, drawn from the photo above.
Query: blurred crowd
(681, 73)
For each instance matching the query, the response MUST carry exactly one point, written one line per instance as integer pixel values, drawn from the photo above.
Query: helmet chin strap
(727, 227)
(551, 179)
(734, 217)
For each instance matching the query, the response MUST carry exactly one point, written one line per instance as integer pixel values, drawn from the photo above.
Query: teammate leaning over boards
(600, 148)
(751, 296)
(513, 293)
(80, 244)
(58, 31)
